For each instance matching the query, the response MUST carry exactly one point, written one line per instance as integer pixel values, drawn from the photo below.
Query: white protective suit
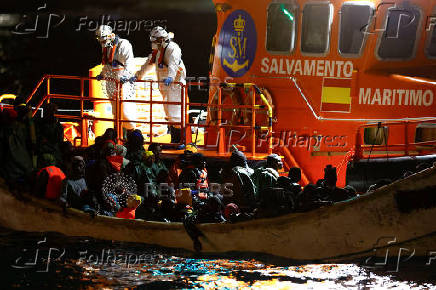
(168, 61)
(118, 61)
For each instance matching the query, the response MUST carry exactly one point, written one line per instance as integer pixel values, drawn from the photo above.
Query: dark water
(48, 261)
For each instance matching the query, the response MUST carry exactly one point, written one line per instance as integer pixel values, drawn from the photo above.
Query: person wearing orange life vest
(49, 179)
(194, 176)
(167, 56)
(118, 64)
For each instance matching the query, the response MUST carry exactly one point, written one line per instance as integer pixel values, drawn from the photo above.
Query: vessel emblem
(238, 42)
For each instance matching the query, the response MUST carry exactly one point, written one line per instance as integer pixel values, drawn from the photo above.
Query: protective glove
(167, 81)
(132, 80)
(124, 80)
(99, 77)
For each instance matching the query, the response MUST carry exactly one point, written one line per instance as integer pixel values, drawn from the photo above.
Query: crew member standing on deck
(167, 56)
(118, 64)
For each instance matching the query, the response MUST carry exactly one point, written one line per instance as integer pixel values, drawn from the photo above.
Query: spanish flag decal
(336, 95)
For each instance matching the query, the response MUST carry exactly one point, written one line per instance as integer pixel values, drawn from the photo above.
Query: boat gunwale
(279, 220)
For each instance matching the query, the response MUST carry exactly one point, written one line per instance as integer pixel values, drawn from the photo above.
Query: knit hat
(238, 159)
(133, 201)
(192, 148)
(231, 209)
(121, 150)
(273, 159)
(330, 176)
(294, 174)
(48, 160)
(329, 172)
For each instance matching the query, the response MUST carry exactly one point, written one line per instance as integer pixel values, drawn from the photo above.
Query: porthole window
(355, 20)
(281, 24)
(315, 31)
(431, 42)
(425, 132)
(375, 135)
(398, 40)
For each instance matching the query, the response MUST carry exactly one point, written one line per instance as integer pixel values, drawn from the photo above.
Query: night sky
(64, 43)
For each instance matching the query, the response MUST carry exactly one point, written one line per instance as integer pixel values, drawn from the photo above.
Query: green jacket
(244, 190)
(158, 166)
(18, 157)
(50, 135)
(264, 178)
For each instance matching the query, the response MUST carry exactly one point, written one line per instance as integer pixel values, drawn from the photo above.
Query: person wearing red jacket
(49, 179)
(133, 201)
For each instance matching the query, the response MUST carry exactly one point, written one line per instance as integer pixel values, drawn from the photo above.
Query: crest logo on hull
(238, 42)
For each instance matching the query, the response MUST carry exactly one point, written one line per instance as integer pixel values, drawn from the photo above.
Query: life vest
(127, 213)
(114, 63)
(160, 61)
(54, 183)
(116, 162)
(110, 59)
(202, 182)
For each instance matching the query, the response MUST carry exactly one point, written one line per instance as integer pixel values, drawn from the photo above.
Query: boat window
(315, 31)
(281, 22)
(425, 132)
(431, 47)
(375, 135)
(399, 38)
(355, 19)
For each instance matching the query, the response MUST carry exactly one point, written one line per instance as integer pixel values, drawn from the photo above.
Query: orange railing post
(188, 130)
(358, 153)
(253, 121)
(182, 113)
(118, 104)
(84, 127)
(48, 89)
(406, 138)
(221, 132)
(151, 112)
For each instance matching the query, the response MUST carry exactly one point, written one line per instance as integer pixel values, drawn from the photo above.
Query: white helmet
(159, 32)
(104, 35)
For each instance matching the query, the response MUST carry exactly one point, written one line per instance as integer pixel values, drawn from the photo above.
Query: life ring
(261, 115)
(229, 116)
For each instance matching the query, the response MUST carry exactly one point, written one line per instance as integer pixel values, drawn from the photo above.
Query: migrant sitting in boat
(128, 181)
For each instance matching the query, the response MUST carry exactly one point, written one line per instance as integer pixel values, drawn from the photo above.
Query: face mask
(106, 41)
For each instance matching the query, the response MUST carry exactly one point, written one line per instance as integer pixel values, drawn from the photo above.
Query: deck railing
(396, 150)
(185, 123)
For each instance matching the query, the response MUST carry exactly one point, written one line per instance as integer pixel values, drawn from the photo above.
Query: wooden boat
(401, 213)
(348, 102)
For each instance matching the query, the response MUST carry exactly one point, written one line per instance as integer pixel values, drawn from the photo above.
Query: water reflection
(89, 263)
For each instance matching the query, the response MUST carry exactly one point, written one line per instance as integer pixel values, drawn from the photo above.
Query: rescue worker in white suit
(118, 64)
(167, 56)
